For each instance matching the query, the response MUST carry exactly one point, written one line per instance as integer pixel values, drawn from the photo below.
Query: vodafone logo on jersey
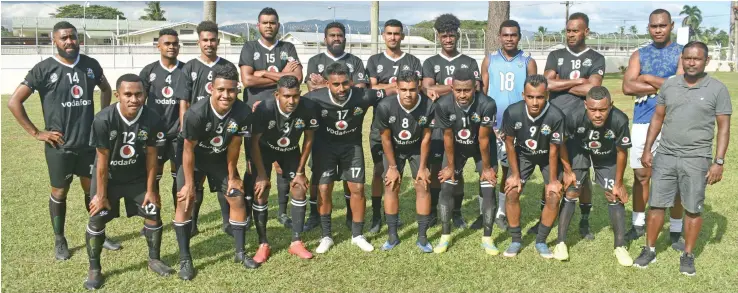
(167, 91)
(272, 68)
(392, 79)
(341, 125)
(217, 141)
(531, 144)
(574, 74)
(464, 133)
(448, 81)
(404, 135)
(76, 91)
(594, 145)
(283, 142)
(127, 151)
(209, 87)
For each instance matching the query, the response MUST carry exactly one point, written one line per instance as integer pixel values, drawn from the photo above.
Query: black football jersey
(200, 81)
(343, 123)
(213, 132)
(465, 123)
(534, 136)
(569, 65)
(280, 131)
(441, 68)
(66, 96)
(127, 141)
(261, 57)
(164, 89)
(386, 69)
(600, 143)
(406, 126)
(318, 63)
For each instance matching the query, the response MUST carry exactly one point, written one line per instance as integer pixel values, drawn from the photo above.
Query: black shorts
(348, 159)
(528, 165)
(288, 161)
(578, 157)
(63, 163)
(132, 193)
(336, 176)
(604, 176)
(169, 152)
(436, 148)
(460, 160)
(400, 159)
(375, 147)
(217, 175)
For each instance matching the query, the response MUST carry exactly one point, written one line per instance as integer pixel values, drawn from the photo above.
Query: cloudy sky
(604, 16)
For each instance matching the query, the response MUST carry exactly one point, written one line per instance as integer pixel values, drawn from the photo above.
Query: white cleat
(325, 244)
(361, 242)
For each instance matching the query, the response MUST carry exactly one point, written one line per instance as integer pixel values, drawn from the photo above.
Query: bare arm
(583, 89)
(256, 156)
(21, 94)
(101, 174)
(484, 141)
(655, 127)
(381, 86)
(389, 150)
(622, 161)
(433, 90)
(188, 161)
(183, 106)
(512, 156)
(557, 85)
(448, 147)
(532, 67)
(723, 135)
(485, 74)
(553, 162)
(234, 150)
(424, 148)
(307, 147)
(106, 93)
(293, 68)
(250, 79)
(632, 84)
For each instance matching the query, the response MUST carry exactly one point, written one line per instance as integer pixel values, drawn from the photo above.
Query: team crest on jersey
(350, 67)
(283, 56)
(452, 117)
(76, 91)
(299, 124)
(143, 134)
(448, 80)
(324, 113)
(90, 73)
(216, 141)
(422, 120)
(232, 127)
(587, 62)
(574, 74)
(361, 75)
(560, 61)
(475, 118)
(531, 144)
(321, 67)
(193, 75)
(113, 134)
(545, 129)
(609, 134)
(160, 135)
(464, 133)
(208, 126)
(167, 91)
(152, 76)
(341, 125)
(404, 134)
(392, 119)
(380, 68)
(313, 122)
(405, 67)
(256, 56)
(245, 130)
(437, 68)
(358, 111)
(53, 78)
(580, 130)
(593, 145)
(464, 66)
(283, 142)
(518, 125)
(127, 151)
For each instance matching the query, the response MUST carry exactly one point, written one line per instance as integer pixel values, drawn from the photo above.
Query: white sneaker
(361, 242)
(325, 244)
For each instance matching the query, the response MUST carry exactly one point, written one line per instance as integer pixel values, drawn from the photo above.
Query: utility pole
(374, 24)
(568, 4)
(734, 27)
(208, 10)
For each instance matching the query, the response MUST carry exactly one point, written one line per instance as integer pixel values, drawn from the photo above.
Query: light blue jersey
(506, 80)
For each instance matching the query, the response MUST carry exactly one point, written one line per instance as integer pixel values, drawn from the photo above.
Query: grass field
(28, 263)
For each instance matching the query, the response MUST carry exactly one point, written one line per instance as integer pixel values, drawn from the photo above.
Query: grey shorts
(672, 175)
(413, 159)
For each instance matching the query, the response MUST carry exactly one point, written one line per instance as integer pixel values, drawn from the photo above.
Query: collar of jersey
(499, 52)
(328, 54)
(330, 96)
(392, 59)
(265, 47)
(286, 115)
(176, 65)
(129, 123)
(451, 58)
(206, 64)
(65, 64)
(577, 54)
(414, 107)
(216, 112)
(539, 115)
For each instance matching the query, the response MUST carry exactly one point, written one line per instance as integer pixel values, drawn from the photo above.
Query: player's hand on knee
(714, 174)
(54, 138)
(392, 179)
(553, 189)
(235, 184)
(98, 203)
(647, 159)
(619, 192)
(423, 178)
(489, 175)
(151, 197)
(186, 195)
(569, 180)
(262, 183)
(513, 183)
(446, 174)
(300, 181)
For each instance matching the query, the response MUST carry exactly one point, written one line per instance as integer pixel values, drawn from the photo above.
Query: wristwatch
(719, 161)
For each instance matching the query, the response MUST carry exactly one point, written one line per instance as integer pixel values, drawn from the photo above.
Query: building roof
(92, 24)
(100, 34)
(307, 37)
(169, 25)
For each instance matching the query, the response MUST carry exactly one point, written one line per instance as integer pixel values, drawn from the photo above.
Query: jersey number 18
(507, 81)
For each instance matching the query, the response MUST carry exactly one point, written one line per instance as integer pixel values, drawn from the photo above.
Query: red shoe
(298, 248)
(262, 254)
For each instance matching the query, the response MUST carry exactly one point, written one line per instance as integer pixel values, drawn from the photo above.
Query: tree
(93, 12)
(497, 12)
(6, 32)
(153, 11)
(692, 19)
(542, 31)
(634, 30)
(208, 10)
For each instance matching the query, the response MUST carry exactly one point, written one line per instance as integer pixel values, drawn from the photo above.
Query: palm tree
(542, 31)
(153, 12)
(693, 17)
(634, 30)
(707, 36)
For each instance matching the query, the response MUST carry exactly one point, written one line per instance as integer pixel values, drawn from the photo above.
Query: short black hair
(598, 93)
(697, 44)
(62, 25)
(464, 75)
(447, 23)
(536, 80)
(337, 69)
(168, 32)
(393, 23)
(660, 11)
(267, 11)
(207, 26)
(225, 71)
(407, 76)
(510, 23)
(288, 81)
(582, 16)
(128, 77)
(334, 24)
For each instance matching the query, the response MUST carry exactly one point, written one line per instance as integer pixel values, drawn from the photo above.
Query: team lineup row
(433, 117)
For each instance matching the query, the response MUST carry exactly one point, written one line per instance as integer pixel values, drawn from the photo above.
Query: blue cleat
(543, 250)
(513, 249)
(427, 248)
(388, 246)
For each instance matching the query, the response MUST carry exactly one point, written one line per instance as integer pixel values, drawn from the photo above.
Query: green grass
(29, 266)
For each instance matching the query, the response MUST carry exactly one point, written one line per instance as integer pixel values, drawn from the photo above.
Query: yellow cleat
(561, 252)
(489, 246)
(623, 256)
(443, 244)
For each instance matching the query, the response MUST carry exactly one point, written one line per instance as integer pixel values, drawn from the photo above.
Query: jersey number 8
(405, 123)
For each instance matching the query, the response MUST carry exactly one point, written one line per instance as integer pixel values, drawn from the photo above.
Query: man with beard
(335, 40)
(438, 74)
(262, 63)
(66, 83)
(571, 73)
(383, 69)
(648, 69)
(200, 87)
(503, 78)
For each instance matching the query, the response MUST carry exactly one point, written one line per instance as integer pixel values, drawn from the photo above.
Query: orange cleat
(298, 248)
(262, 254)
